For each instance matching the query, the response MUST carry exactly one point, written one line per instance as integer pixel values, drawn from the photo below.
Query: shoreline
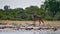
(29, 31)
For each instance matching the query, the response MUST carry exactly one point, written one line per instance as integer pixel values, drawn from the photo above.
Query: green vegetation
(50, 10)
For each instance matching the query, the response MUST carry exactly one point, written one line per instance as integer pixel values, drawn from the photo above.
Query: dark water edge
(30, 32)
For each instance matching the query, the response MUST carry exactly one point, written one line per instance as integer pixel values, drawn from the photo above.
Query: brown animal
(37, 18)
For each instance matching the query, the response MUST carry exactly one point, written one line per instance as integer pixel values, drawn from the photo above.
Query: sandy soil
(30, 22)
(52, 23)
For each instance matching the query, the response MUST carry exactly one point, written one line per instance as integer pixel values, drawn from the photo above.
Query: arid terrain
(30, 22)
(9, 27)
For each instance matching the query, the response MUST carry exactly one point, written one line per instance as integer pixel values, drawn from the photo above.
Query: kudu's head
(33, 13)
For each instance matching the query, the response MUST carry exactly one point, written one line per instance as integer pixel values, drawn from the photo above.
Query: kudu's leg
(39, 22)
(34, 21)
(42, 21)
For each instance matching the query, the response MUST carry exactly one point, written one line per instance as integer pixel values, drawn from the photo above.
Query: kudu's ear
(32, 12)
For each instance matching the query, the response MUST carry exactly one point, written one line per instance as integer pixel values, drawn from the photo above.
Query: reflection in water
(34, 32)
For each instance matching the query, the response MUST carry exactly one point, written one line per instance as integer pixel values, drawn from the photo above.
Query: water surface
(32, 32)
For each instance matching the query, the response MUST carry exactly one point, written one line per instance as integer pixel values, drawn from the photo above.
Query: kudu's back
(36, 17)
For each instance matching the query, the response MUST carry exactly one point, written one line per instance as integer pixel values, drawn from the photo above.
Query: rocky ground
(6, 25)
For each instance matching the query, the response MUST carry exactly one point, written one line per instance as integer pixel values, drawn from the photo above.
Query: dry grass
(30, 22)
